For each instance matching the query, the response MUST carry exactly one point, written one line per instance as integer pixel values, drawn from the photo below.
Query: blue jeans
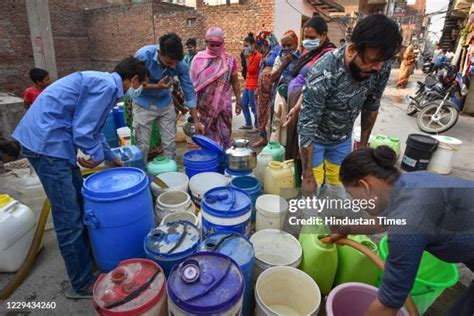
(63, 183)
(248, 100)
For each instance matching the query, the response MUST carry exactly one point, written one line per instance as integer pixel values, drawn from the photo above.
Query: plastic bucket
(353, 299)
(203, 182)
(239, 248)
(418, 152)
(226, 209)
(286, 291)
(131, 274)
(182, 216)
(117, 204)
(443, 157)
(198, 161)
(170, 244)
(275, 248)
(432, 278)
(176, 181)
(207, 283)
(125, 136)
(249, 185)
(171, 202)
(271, 212)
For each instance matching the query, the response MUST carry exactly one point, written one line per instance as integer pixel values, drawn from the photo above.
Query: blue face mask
(311, 44)
(135, 93)
(247, 50)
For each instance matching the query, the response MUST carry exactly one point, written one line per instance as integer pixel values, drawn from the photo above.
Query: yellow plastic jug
(280, 179)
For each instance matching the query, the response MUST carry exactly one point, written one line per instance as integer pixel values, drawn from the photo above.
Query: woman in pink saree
(214, 76)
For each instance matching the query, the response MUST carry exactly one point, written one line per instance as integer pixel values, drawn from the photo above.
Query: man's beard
(357, 73)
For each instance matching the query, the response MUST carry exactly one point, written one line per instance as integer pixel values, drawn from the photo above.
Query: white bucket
(271, 212)
(176, 181)
(286, 291)
(182, 216)
(203, 182)
(443, 157)
(274, 247)
(171, 202)
(124, 135)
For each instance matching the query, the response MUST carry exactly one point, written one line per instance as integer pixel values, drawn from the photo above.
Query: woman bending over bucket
(438, 216)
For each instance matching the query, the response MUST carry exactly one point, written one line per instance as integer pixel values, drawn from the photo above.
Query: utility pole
(41, 36)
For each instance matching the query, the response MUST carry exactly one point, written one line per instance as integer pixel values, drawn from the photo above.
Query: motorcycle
(441, 115)
(430, 90)
(427, 64)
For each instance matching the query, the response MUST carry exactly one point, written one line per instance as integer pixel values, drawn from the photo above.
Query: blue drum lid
(208, 144)
(231, 244)
(226, 202)
(200, 155)
(115, 182)
(206, 283)
(173, 239)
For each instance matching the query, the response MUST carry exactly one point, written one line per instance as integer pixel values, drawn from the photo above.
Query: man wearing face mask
(341, 85)
(191, 51)
(155, 103)
(70, 115)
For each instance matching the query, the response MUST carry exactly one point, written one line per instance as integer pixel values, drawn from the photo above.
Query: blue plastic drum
(118, 212)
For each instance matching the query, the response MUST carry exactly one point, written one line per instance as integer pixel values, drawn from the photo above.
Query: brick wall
(238, 19)
(95, 34)
(118, 31)
(69, 36)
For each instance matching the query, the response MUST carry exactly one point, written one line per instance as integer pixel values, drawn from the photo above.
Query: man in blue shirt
(70, 115)
(164, 62)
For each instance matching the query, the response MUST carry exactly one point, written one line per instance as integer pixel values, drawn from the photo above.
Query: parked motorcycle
(431, 89)
(440, 115)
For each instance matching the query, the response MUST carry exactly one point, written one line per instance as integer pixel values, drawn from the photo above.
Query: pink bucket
(353, 299)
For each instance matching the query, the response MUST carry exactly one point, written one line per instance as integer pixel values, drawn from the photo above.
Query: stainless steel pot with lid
(240, 157)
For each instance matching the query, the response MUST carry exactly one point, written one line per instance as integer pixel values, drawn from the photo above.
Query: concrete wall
(288, 18)
(11, 112)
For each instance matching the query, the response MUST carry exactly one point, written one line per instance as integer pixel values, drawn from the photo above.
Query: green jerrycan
(354, 266)
(319, 259)
(276, 150)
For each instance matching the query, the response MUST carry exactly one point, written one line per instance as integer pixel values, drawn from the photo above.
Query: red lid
(128, 277)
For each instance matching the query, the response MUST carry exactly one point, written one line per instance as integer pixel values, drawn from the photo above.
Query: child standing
(252, 59)
(41, 80)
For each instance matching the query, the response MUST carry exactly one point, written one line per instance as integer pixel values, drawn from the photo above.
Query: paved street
(48, 278)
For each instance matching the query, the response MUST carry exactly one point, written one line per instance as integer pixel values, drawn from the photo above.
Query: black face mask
(356, 72)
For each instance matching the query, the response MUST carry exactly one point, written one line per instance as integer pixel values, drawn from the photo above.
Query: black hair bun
(385, 157)
(250, 34)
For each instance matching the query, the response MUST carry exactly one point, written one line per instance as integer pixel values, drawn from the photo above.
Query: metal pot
(240, 157)
(189, 128)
